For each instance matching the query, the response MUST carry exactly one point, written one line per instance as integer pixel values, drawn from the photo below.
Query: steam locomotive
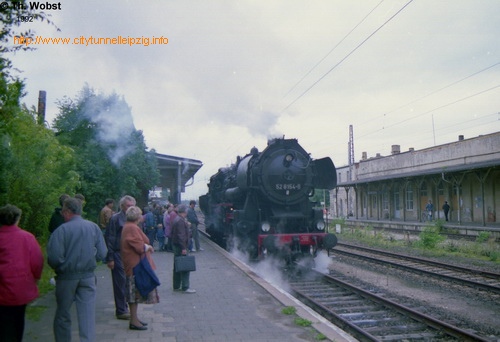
(261, 204)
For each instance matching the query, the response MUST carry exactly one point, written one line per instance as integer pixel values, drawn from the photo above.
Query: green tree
(37, 170)
(34, 167)
(10, 12)
(112, 157)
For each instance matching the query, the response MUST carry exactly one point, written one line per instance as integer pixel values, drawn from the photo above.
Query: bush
(483, 237)
(430, 237)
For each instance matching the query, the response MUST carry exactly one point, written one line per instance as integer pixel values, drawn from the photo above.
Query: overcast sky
(234, 73)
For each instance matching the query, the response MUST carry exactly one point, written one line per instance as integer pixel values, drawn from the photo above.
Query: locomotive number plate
(288, 186)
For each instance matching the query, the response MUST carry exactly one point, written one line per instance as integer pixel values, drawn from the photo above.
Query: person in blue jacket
(73, 251)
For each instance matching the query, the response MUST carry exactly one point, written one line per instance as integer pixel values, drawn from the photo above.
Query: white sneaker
(189, 291)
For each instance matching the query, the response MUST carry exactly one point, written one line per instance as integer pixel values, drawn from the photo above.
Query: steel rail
(439, 267)
(363, 334)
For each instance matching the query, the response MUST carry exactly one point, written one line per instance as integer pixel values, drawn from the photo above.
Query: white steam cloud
(114, 123)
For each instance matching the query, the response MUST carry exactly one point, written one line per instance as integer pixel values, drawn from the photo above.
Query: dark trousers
(169, 248)
(161, 243)
(119, 280)
(151, 234)
(180, 279)
(196, 236)
(12, 323)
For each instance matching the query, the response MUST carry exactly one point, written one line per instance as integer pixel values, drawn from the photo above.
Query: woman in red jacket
(21, 264)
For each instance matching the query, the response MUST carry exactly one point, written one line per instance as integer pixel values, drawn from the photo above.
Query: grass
(34, 312)
(289, 310)
(430, 242)
(320, 337)
(302, 322)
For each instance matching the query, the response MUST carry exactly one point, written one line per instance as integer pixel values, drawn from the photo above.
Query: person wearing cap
(180, 243)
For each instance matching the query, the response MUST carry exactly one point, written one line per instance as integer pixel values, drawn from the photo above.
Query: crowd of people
(74, 249)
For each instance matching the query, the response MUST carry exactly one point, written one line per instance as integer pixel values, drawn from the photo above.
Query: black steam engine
(261, 204)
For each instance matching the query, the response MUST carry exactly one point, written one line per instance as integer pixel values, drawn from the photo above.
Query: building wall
(472, 192)
(463, 152)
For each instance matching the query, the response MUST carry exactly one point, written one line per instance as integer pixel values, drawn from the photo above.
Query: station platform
(231, 303)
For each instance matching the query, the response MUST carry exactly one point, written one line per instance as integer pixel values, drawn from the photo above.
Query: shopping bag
(145, 277)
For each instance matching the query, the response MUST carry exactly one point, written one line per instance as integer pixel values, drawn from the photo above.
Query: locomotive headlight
(266, 227)
(288, 160)
(320, 225)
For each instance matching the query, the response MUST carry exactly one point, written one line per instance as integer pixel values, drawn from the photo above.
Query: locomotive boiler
(261, 203)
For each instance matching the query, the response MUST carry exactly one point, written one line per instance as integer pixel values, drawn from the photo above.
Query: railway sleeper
(406, 328)
(409, 337)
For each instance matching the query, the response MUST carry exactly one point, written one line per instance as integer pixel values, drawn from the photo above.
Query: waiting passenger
(21, 264)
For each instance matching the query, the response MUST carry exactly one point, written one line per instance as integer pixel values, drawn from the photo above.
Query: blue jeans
(82, 292)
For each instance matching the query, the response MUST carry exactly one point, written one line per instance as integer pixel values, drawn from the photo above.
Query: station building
(397, 188)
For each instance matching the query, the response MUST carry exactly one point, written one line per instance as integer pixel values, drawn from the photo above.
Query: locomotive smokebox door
(325, 174)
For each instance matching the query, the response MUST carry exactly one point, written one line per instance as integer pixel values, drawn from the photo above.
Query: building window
(340, 178)
(423, 190)
(396, 200)
(440, 189)
(409, 198)
(374, 201)
(385, 200)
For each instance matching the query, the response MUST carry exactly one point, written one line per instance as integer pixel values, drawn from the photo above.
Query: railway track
(474, 278)
(370, 317)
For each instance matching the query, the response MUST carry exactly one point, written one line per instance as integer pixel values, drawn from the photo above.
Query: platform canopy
(176, 173)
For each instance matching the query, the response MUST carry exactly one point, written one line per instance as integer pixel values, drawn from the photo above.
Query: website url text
(82, 40)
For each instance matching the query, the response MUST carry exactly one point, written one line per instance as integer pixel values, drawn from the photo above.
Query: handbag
(145, 278)
(185, 263)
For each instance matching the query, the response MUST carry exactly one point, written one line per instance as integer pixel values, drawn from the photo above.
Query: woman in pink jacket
(21, 264)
